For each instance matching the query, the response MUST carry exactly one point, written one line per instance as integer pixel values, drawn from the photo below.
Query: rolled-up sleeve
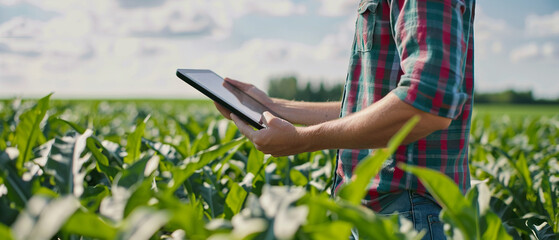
(431, 43)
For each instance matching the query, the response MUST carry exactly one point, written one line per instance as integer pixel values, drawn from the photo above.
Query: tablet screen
(216, 86)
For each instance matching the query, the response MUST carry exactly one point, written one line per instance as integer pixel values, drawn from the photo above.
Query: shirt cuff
(431, 99)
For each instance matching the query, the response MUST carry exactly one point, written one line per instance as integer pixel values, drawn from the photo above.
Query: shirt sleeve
(430, 38)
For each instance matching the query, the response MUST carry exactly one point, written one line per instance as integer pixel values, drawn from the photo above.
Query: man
(409, 57)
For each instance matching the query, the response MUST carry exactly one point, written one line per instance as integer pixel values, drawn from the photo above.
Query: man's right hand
(249, 89)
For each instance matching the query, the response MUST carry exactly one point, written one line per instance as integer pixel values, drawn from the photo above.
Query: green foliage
(522, 171)
(5, 232)
(465, 213)
(369, 225)
(185, 173)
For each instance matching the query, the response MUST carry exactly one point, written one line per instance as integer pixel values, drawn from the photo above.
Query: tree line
(289, 88)
(511, 97)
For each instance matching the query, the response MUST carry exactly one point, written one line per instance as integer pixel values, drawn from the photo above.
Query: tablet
(229, 96)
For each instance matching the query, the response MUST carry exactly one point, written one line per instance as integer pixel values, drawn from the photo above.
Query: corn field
(156, 169)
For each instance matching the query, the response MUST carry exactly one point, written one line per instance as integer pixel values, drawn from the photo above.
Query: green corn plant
(474, 220)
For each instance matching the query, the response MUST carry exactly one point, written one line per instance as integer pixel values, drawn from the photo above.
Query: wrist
(312, 138)
(277, 104)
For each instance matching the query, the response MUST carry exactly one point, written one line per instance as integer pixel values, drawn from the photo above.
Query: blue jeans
(422, 211)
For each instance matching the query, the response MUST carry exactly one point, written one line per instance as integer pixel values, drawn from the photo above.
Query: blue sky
(131, 48)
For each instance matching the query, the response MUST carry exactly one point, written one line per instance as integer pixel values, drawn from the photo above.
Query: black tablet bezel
(215, 97)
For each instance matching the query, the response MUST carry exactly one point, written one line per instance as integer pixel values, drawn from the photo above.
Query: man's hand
(279, 138)
(249, 89)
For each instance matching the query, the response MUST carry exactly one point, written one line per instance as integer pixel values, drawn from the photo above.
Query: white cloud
(339, 43)
(9, 2)
(549, 50)
(526, 52)
(490, 33)
(171, 17)
(533, 51)
(117, 67)
(21, 27)
(542, 26)
(497, 47)
(267, 7)
(336, 8)
(488, 28)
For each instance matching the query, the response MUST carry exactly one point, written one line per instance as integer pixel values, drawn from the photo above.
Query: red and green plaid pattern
(421, 50)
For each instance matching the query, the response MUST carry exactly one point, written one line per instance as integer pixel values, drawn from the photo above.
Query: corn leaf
(297, 178)
(19, 190)
(455, 205)
(28, 130)
(142, 224)
(234, 200)
(134, 142)
(65, 163)
(44, 217)
(90, 225)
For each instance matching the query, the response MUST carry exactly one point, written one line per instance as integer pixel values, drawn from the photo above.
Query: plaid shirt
(422, 51)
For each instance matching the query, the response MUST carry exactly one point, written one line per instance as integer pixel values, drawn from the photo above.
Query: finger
(251, 90)
(224, 111)
(244, 128)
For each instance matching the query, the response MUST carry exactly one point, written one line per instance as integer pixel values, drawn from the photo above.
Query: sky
(132, 48)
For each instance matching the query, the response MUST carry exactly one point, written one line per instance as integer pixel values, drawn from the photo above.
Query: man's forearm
(307, 113)
(372, 127)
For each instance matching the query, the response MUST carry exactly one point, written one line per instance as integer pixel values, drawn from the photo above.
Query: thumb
(271, 120)
(241, 85)
(267, 117)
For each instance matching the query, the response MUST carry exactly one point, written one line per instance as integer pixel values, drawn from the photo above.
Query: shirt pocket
(365, 25)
